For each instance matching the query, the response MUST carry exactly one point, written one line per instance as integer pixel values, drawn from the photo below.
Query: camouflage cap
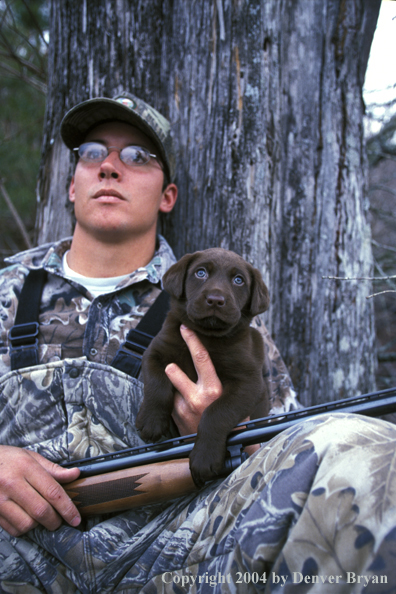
(124, 107)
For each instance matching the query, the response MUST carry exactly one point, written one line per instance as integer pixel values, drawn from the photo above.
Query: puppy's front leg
(217, 421)
(154, 418)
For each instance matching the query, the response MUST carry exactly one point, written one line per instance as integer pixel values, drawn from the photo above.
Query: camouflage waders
(313, 510)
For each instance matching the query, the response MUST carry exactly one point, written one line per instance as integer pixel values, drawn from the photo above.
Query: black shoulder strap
(23, 334)
(129, 356)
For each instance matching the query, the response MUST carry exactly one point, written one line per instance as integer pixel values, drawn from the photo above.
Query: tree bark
(265, 101)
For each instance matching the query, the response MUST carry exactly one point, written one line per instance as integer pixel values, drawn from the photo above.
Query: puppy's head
(217, 290)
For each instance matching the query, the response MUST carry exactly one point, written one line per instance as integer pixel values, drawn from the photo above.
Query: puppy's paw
(153, 425)
(206, 463)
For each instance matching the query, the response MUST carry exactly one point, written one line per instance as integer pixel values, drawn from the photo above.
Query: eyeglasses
(95, 152)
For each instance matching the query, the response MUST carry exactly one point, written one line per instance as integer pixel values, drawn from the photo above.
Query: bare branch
(385, 155)
(359, 278)
(15, 215)
(381, 293)
(37, 84)
(367, 278)
(381, 271)
(383, 246)
(381, 104)
(13, 55)
(25, 64)
(382, 187)
(34, 60)
(35, 22)
(386, 357)
(383, 213)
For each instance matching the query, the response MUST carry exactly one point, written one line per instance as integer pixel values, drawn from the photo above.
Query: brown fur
(207, 295)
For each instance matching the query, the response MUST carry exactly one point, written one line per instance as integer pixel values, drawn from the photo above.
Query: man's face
(112, 199)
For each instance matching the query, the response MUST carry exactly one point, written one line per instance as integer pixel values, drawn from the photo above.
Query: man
(73, 403)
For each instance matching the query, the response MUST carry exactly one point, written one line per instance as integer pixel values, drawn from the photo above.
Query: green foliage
(23, 70)
(21, 126)
(23, 40)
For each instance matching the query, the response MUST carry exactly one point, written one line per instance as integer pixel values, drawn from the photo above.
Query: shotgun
(159, 472)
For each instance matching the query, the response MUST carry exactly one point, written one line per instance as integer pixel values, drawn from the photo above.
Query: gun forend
(131, 487)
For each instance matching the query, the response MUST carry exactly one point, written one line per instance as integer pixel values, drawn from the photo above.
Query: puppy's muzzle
(213, 311)
(215, 300)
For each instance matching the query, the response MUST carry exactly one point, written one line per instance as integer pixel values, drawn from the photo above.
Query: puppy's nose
(215, 300)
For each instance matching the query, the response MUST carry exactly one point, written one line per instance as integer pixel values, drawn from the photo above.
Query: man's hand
(31, 494)
(191, 399)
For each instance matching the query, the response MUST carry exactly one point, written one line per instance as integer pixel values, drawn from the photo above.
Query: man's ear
(259, 294)
(169, 197)
(173, 279)
(72, 195)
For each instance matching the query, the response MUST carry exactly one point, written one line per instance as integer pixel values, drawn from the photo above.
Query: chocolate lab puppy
(216, 294)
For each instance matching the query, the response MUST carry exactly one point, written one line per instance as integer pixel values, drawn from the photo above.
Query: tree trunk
(265, 101)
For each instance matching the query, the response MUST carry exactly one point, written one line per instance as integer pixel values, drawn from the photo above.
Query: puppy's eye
(201, 273)
(239, 280)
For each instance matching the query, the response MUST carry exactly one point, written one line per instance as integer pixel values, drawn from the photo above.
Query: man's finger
(47, 484)
(179, 379)
(60, 474)
(50, 500)
(14, 519)
(11, 529)
(200, 356)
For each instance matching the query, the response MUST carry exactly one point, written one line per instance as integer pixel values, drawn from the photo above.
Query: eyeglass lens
(95, 152)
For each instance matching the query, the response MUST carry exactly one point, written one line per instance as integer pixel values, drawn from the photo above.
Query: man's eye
(140, 157)
(135, 155)
(93, 152)
(239, 280)
(201, 273)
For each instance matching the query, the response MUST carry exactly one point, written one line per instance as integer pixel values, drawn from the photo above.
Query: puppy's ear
(173, 279)
(259, 298)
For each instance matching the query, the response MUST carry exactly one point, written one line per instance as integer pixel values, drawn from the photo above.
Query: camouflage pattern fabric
(312, 511)
(68, 410)
(72, 322)
(75, 324)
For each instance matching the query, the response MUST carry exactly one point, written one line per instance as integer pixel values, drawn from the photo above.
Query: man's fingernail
(75, 521)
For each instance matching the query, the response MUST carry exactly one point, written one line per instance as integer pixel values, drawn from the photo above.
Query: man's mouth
(106, 193)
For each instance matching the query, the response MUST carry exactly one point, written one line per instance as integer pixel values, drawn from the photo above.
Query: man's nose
(111, 166)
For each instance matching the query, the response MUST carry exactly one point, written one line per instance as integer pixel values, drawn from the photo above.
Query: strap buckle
(128, 357)
(137, 342)
(23, 335)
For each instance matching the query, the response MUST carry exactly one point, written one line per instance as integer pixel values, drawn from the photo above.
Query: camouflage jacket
(73, 324)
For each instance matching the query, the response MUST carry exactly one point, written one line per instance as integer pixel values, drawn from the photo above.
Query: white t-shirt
(96, 286)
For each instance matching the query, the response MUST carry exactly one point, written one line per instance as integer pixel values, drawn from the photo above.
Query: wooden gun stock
(131, 487)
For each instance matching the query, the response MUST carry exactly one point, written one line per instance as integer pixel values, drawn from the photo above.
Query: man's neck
(94, 258)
